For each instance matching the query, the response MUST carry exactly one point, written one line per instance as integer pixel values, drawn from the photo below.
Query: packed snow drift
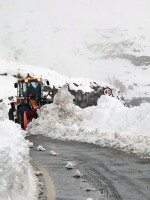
(109, 123)
(16, 175)
(111, 115)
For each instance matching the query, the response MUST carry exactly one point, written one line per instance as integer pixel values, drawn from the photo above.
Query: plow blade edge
(29, 115)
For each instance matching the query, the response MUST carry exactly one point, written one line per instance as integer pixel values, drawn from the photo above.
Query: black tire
(21, 115)
(11, 114)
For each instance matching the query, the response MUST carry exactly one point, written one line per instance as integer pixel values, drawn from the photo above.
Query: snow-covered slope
(10, 70)
(103, 40)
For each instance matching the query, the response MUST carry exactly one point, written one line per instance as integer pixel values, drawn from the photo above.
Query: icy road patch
(109, 123)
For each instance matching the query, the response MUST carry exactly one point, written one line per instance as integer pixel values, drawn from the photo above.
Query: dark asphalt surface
(110, 173)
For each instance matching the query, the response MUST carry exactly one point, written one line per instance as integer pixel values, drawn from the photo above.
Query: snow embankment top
(13, 161)
(111, 115)
(10, 71)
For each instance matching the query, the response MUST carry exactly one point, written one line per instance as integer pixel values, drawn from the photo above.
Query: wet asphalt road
(110, 174)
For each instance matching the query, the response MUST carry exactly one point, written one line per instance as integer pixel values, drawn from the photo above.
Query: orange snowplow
(29, 99)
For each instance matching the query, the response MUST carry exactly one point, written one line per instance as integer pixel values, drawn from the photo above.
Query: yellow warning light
(26, 80)
(39, 79)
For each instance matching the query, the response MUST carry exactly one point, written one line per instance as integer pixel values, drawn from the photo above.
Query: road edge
(50, 189)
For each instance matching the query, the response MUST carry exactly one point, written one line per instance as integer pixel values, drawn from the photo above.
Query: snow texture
(16, 175)
(3, 111)
(53, 153)
(30, 144)
(10, 70)
(38, 173)
(77, 174)
(40, 148)
(109, 123)
(103, 42)
(69, 165)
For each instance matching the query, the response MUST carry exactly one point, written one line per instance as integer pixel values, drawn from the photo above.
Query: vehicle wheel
(21, 115)
(11, 114)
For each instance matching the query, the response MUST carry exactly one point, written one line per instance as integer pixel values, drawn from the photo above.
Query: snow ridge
(109, 123)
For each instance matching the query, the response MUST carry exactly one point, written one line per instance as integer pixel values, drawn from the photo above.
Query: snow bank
(108, 124)
(3, 111)
(58, 119)
(111, 115)
(9, 71)
(7, 86)
(16, 176)
(120, 75)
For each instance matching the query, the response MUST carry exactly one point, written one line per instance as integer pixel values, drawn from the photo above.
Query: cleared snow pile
(16, 177)
(109, 123)
(113, 124)
(110, 114)
(59, 119)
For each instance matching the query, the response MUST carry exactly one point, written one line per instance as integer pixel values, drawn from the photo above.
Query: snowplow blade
(29, 115)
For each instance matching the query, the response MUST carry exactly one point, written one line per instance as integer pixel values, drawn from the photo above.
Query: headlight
(26, 80)
(39, 79)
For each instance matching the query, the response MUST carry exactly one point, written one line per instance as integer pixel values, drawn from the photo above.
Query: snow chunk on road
(69, 165)
(53, 153)
(109, 123)
(78, 174)
(40, 148)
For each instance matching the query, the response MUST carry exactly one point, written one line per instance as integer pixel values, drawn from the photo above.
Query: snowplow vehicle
(29, 99)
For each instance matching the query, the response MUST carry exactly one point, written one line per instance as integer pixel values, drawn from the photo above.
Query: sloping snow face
(103, 40)
(113, 124)
(110, 114)
(13, 161)
(16, 176)
(59, 119)
(109, 123)
(10, 70)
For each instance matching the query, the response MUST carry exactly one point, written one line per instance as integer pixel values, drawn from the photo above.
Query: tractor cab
(29, 99)
(29, 87)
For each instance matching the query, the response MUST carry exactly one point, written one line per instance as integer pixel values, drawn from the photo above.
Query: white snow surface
(40, 148)
(109, 123)
(110, 114)
(79, 39)
(3, 111)
(8, 71)
(17, 181)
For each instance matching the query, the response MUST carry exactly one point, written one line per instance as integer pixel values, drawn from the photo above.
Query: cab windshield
(32, 88)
